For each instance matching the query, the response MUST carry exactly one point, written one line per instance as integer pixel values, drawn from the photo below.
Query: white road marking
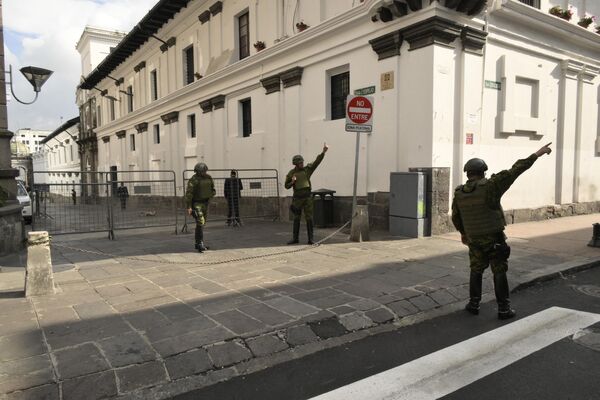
(447, 370)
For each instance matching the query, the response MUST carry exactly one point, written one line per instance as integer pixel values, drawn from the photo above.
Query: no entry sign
(359, 113)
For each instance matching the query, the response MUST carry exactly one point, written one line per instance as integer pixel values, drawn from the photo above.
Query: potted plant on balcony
(584, 22)
(557, 11)
(260, 45)
(301, 26)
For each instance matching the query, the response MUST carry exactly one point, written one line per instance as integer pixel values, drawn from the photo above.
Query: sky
(43, 33)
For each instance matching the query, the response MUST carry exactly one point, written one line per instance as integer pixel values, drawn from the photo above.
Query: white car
(25, 201)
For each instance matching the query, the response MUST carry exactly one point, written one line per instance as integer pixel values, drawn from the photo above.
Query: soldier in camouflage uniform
(200, 190)
(478, 216)
(299, 179)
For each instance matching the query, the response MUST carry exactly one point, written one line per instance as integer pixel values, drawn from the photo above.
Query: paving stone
(355, 321)
(25, 373)
(327, 328)
(170, 329)
(193, 340)
(141, 375)
(423, 302)
(266, 314)
(364, 304)
(319, 283)
(460, 292)
(292, 271)
(315, 294)
(206, 286)
(80, 360)
(187, 364)
(331, 301)
(380, 315)
(46, 392)
(126, 349)
(90, 387)
(341, 310)
(177, 311)
(144, 320)
(222, 303)
(228, 353)
(237, 322)
(268, 344)
(93, 310)
(442, 297)
(112, 291)
(260, 293)
(302, 334)
(405, 293)
(22, 345)
(291, 306)
(60, 336)
(401, 309)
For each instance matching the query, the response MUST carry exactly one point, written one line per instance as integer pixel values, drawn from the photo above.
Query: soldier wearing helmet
(299, 179)
(200, 189)
(478, 216)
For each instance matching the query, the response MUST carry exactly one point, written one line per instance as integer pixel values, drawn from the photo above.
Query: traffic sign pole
(355, 174)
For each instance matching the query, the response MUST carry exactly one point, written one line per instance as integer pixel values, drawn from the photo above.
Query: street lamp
(35, 75)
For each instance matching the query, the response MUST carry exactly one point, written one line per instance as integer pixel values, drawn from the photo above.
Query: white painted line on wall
(447, 370)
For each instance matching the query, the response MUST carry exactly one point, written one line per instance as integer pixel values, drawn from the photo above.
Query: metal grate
(532, 3)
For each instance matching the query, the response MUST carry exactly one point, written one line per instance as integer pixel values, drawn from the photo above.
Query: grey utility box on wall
(408, 211)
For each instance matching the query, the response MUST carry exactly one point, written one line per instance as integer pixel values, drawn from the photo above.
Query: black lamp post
(35, 75)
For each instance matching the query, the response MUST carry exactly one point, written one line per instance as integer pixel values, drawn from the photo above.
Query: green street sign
(364, 91)
(493, 85)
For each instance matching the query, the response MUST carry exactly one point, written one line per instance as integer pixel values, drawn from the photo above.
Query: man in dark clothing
(299, 179)
(74, 196)
(200, 189)
(232, 192)
(478, 216)
(123, 194)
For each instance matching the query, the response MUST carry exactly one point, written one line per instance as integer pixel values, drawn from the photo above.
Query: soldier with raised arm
(478, 216)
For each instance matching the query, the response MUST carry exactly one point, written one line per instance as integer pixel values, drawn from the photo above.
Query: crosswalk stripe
(447, 370)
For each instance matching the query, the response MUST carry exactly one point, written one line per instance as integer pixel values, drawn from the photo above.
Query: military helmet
(297, 159)
(200, 168)
(475, 164)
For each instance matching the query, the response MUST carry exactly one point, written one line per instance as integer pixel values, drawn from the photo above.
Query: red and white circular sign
(359, 110)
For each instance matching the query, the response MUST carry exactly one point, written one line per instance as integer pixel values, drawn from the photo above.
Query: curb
(553, 272)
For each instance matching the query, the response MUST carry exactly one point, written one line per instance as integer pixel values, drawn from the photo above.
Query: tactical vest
(202, 188)
(477, 216)
(302, 180)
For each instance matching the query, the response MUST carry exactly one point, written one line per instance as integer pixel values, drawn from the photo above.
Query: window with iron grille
(129, 98)
(132, 142)
(340, 88)
(532, 3)
(188, 65)
(246, 109)
(156, 134)
(244, 35)
(192, 125)
(153, 85)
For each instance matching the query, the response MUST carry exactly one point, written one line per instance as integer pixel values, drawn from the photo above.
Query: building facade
(248, 84)
(31, 138)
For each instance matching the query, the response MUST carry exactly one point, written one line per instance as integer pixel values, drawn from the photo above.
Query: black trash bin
(323, 207)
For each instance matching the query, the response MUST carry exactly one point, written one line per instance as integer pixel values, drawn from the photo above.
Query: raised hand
(544, 150)
(325, 147)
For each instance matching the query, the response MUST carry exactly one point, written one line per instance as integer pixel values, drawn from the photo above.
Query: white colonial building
(250, 83)
(57, 163)
(31, 138)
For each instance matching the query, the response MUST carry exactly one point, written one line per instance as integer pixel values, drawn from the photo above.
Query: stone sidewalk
(144, 317)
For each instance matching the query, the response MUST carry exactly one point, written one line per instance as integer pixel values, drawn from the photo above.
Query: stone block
(91, 387)
(355, 321)
(39, 279)
(187, 364)
(327, 328)
(264, 345)
(423, 302)
(521, 215)
(266, 314)
(302, 334)
(229, 353)
(79, 360)
(141, 375)
(380, 315)
(442, 297)
(46, 392)
(126, 349)
(237, 322)
(25, 373)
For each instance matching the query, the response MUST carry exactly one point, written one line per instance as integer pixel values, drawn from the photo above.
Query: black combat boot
(310, 232)
(502, 296)
(296, 232)
(474, 292)
(200, 239)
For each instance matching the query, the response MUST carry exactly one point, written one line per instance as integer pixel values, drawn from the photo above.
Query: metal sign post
(359, 113)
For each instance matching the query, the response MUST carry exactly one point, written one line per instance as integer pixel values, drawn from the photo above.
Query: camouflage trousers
(302, 204)
(490, 250)
(200, 212)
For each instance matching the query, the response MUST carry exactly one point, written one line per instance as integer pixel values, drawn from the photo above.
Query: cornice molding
(140, 66)
(473, 40)
(169, 43)
(216, 8)
(206, 106)
(170, 117)
(271, 84)
(291, 77)
(218, 102)
(106, 139)
(204, 17)
(388, 45)
(121, 134)
(432, 31)
(141, 127)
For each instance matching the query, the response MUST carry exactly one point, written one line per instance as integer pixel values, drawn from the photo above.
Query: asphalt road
(563, 370)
